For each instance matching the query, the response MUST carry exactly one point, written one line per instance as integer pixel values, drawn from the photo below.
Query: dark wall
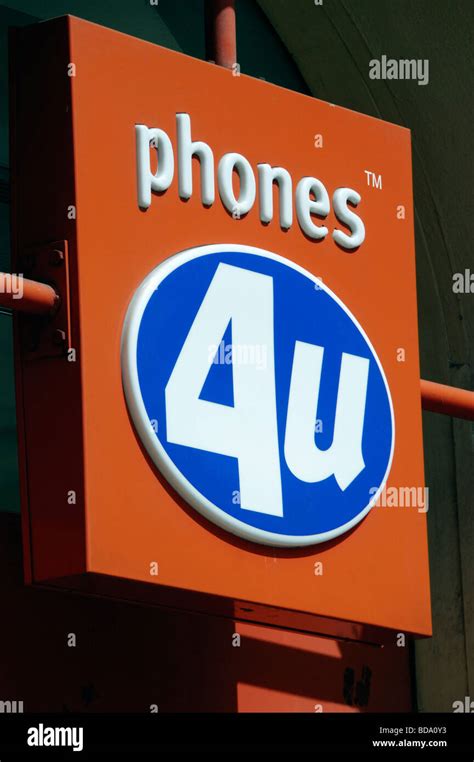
(332, 45)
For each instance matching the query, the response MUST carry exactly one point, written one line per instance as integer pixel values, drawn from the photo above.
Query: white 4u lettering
(248, 431)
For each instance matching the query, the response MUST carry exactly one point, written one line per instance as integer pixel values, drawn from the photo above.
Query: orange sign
(142, 154)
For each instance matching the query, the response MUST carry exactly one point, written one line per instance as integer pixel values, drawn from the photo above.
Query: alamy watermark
(463, 283)
(11, 707)
(238, 354)
(11, 283)
(43, 735)
(466, 705)
(417, 69)
(402, 497)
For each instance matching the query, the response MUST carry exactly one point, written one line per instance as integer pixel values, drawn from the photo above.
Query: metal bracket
(50, 335)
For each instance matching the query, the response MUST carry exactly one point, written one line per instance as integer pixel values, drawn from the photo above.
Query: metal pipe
(23, 295)
(221, 32)
(439, 398)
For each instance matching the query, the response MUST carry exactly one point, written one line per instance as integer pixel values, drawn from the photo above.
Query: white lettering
(146, 180)
(311, 196)
(227, 164)
(344, 458)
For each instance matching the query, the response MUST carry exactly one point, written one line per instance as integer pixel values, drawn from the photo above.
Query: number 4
(247, 431)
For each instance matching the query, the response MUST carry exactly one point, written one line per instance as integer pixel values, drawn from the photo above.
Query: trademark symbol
(373, 180)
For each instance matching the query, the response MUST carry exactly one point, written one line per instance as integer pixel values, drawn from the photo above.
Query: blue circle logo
(257, 394)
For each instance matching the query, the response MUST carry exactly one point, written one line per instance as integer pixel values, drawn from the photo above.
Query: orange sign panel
(225, 413)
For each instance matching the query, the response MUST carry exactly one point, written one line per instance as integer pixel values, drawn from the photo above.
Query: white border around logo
(151, 442)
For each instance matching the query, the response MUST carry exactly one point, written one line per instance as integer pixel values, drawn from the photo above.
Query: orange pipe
(23, 295)
(222, 31)
(439, 398)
